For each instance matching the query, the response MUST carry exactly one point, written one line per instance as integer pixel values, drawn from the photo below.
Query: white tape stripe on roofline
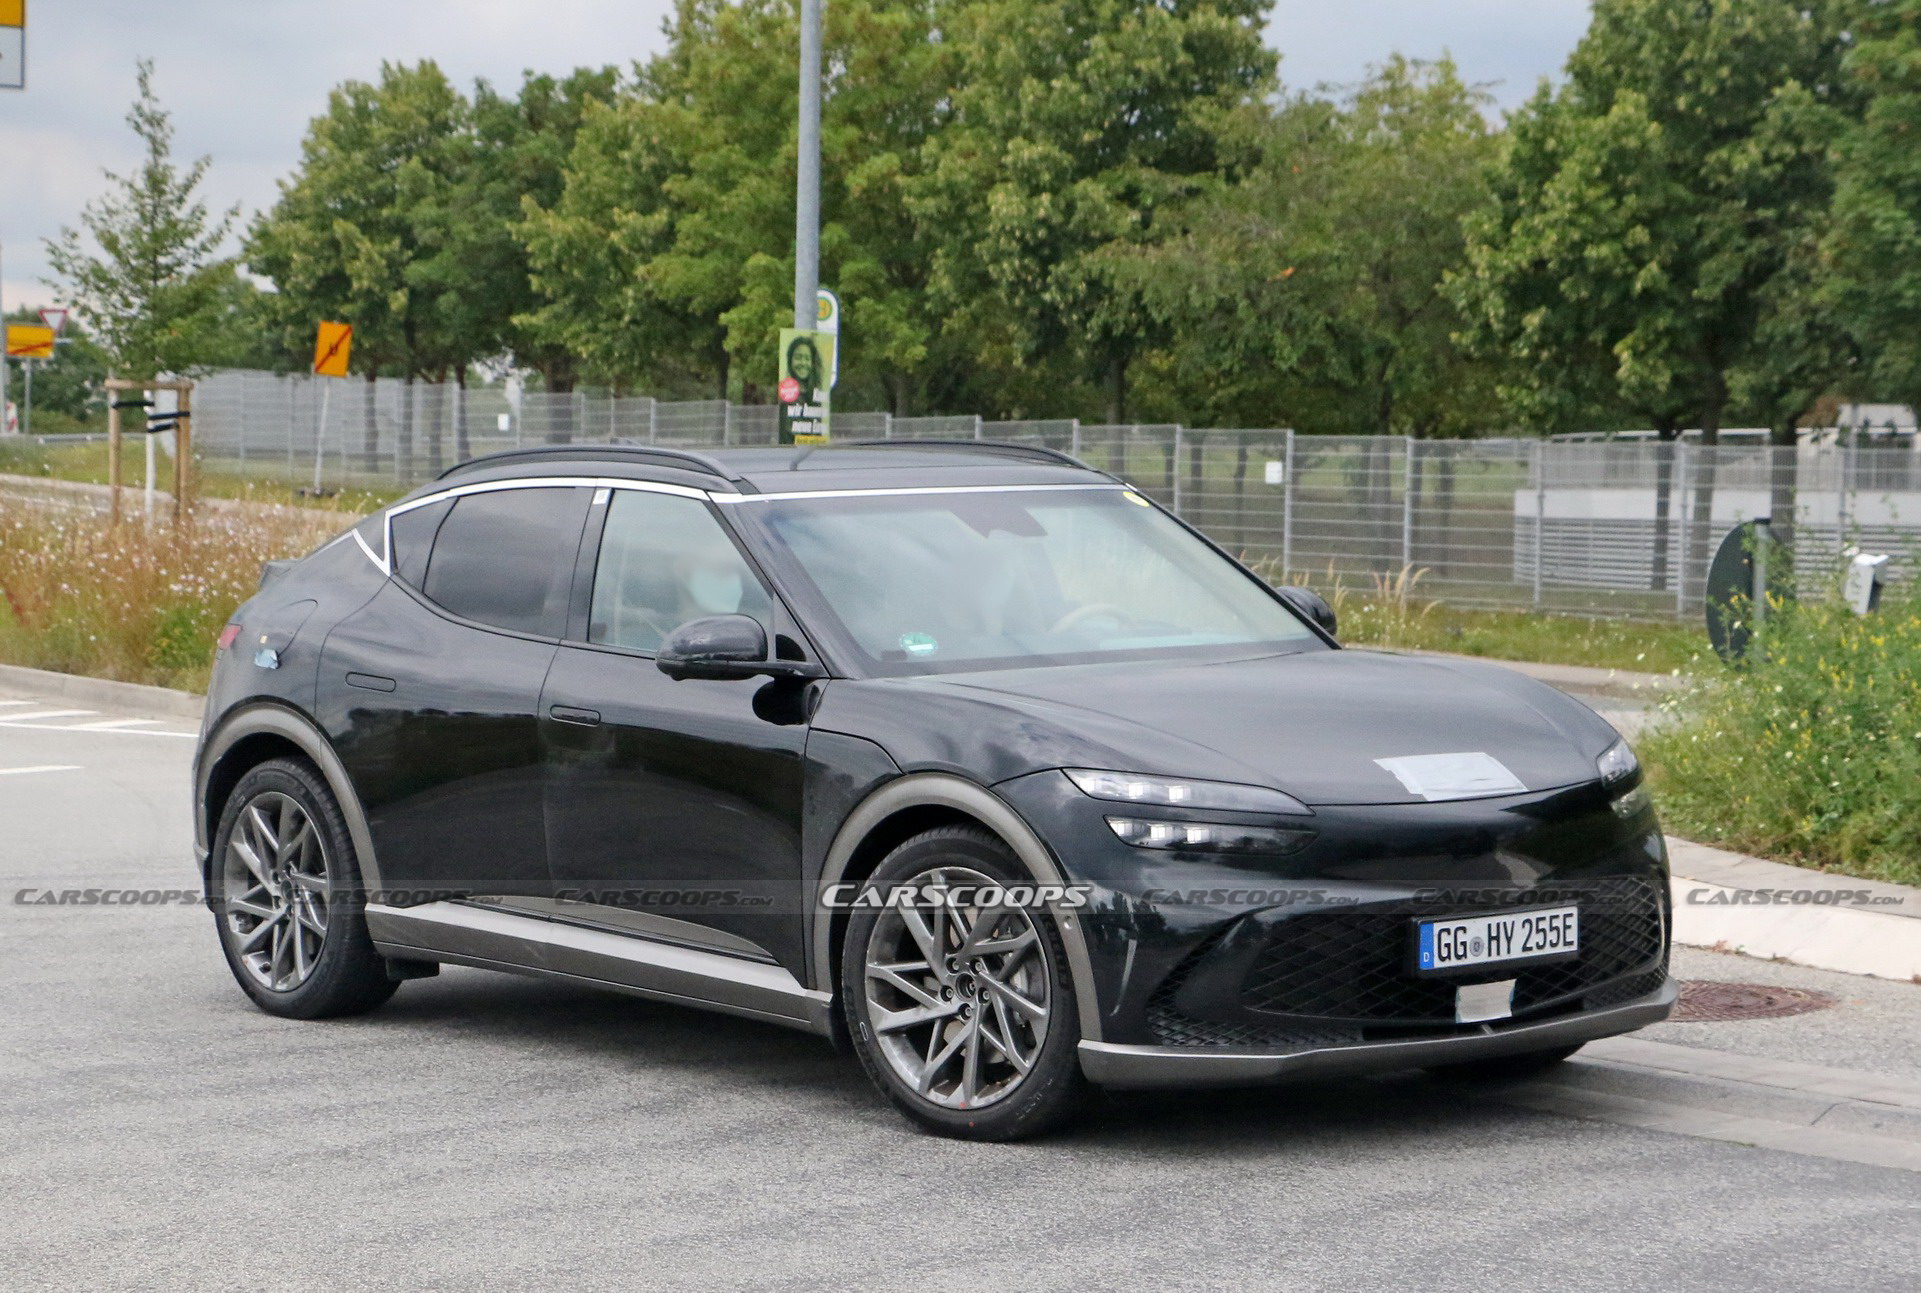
(914, 489)
(384, 562)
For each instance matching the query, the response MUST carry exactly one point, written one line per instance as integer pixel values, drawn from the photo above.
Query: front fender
(941, 790)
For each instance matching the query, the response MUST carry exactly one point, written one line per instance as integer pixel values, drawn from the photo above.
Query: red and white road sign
(54, 317)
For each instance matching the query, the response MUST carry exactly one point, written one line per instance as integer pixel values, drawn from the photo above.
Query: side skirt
(462, 934)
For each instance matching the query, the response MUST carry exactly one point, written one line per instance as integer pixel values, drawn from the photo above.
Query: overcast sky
(242, 77)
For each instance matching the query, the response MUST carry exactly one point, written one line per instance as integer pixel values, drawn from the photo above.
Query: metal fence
(1621, 528)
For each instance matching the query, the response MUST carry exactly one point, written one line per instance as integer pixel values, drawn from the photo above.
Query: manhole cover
(1706, 1002)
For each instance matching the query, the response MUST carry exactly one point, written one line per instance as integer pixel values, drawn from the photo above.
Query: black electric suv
(966, 756)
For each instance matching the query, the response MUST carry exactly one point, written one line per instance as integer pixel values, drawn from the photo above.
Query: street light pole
(807, 196)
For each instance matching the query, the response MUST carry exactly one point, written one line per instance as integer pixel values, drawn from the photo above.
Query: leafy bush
(128, 602)
(1811, 752)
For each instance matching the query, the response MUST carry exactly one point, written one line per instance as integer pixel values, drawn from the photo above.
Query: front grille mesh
(1353, 965)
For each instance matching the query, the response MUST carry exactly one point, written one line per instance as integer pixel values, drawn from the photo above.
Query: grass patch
(1390, 611)
(1812, 752)
(87, 462)
(141, 605)
(1546, 639)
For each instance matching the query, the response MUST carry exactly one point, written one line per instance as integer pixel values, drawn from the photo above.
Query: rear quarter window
(506, 557)
(413, 534)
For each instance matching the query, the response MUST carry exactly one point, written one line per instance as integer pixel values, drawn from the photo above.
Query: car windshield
(934, 581)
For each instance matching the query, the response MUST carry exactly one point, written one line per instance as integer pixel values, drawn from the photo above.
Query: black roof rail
(1001, 446)
(687, 459)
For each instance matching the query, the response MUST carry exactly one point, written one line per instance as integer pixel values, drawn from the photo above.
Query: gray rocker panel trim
(275, 718)
(941, 790)
(464, 934)
(1144, 1067)
(621, 920)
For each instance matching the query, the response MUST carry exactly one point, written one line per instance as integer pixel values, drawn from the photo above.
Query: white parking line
(112, 724)
(44, 767)
(8, 725)
(39, 714)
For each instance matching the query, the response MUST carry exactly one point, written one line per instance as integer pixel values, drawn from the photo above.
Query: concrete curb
(129, 698)
(1731, 902)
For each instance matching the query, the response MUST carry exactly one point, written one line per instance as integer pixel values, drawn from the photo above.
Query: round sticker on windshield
(918, 644)
(1134, 498)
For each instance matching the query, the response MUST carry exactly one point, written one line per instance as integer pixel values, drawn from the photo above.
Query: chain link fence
(1623, 527)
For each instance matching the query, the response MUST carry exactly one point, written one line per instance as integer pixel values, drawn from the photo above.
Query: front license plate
(1511, 938)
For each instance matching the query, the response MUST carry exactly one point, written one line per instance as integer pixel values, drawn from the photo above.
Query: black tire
(1505, 1068)
(1053, 1090)
(346, 976)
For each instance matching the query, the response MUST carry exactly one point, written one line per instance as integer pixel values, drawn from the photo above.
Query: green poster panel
(806, 362)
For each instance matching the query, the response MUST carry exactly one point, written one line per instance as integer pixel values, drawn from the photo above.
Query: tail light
(227, 636)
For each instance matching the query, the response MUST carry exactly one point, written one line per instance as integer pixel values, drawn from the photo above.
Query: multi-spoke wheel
(958, 996)
(286, 895)
(277, 891)
(962, 1011)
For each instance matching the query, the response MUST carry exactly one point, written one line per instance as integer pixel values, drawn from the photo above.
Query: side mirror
(725, 647)
(1311, 604)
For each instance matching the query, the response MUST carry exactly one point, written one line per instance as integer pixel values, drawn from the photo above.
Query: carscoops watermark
(854, 897)
(104, 897)
(1705, 897)
(652, 898)
(1249, 897)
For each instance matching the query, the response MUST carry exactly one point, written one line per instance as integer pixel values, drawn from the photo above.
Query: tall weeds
(130, 602)
(1811, 751)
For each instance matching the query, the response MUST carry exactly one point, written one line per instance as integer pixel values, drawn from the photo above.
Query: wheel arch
(918, 802)
(251, 735)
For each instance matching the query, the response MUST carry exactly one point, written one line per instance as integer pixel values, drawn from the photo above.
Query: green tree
(1311, 293)
(1875, 242)
(1650, 209)
(365, 232)
(668, 258)
(151, 287)
(1075, 128)
(672, 199)
(523, 146)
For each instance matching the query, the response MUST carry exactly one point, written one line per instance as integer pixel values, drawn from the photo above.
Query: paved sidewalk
(1736, 903)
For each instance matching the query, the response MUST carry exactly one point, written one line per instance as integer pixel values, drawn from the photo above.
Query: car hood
(1312, 723)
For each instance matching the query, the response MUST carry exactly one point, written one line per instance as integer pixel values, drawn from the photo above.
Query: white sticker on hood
(1468, 775)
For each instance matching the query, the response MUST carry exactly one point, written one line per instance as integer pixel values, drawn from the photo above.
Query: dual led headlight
(1199, 836)
(1617, 766)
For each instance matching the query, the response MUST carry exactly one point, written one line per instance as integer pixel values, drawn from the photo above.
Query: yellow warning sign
(332, 349)
(27, 341)
(13, 13)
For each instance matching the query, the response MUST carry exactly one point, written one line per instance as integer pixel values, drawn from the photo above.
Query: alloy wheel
(276, 890)
(959, 997)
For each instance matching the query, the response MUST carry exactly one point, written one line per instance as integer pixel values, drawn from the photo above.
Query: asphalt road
(483, 1131)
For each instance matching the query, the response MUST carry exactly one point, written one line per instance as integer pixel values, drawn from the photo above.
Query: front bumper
(1312, 952)
(1141, 1067)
